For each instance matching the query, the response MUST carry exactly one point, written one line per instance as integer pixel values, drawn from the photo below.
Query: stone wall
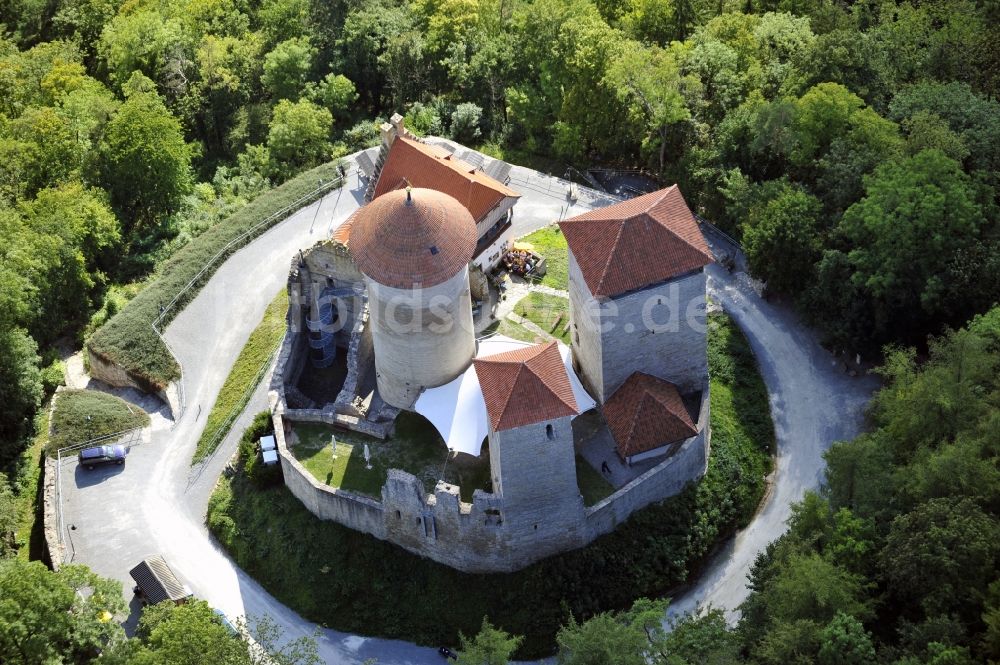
(660, 330)
(358, 512)
(534, 472)
(494, 533)
(113, 375)
(662, 481)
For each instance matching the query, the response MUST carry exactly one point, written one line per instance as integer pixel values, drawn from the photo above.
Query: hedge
(128, 340)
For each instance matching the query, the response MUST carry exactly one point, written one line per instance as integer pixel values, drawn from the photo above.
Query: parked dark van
(91, 457)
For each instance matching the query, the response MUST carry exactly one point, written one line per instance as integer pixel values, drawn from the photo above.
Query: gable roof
(525, 386)
(418, 164)
(637, 242)
(646, 413)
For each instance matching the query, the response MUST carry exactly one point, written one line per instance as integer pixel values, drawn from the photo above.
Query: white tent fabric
(457, 409)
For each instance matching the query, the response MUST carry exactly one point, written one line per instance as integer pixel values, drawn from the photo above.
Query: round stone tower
(414, 246)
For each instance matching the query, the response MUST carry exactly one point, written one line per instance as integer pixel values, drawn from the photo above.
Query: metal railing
(231, 246)
(134, 439)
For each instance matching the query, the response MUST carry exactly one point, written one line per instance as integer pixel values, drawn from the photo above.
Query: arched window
(549, 432)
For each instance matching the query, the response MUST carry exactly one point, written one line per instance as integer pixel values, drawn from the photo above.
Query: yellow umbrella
(524, 246)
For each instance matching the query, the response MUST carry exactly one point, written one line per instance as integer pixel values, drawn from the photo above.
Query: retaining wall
(113, 375)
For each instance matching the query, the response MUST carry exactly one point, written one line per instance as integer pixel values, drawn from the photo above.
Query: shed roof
(525, 386)
(157, 581)
(418, 164)
(413, 237)
(635, 243)
(647, 413)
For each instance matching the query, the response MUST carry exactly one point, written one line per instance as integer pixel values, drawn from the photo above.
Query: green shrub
(53, 376)
(128, 340)
(341, 578)
(249, 459)
(82, 415)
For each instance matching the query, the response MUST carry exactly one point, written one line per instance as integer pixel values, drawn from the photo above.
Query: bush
(82, 415)
(128, 340)
(249, 458)
(340, 577)
(53, 376)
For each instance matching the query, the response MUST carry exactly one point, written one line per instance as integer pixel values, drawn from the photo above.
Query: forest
(852, 147)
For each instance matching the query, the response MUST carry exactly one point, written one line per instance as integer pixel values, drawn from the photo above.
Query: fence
(128, 438)
(166, 312)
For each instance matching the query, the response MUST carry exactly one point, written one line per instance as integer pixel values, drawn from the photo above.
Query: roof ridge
(542, 350)
(611, 254)
(510, 394)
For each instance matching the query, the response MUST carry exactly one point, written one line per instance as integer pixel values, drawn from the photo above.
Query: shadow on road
(88, 477)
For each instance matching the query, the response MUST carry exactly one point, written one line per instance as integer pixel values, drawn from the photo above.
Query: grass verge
(550, 243)
(128, 340)
(548, 312)
(82, 415)
(26, 482)
(244, 376)
(353, 582)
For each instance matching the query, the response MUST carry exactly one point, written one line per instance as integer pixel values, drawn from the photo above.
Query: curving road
(157, 503)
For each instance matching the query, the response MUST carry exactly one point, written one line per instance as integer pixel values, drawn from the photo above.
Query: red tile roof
(525, 386)
(647, 413)
(637, 242)
(343, 232)
(402, 243)
(421, 165)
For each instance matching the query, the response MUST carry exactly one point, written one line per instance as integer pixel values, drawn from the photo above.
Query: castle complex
(383, 320)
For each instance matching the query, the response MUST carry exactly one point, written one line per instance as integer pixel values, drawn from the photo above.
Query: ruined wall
(662, 481)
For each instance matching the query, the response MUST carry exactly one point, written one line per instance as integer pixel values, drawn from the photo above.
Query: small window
(434, 250)
(549, 432)
(399, 515)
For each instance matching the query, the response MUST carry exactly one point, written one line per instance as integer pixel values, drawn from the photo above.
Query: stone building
(414, 247)
(386, 300)
(405, 161)
(530, 404)
(637, 292)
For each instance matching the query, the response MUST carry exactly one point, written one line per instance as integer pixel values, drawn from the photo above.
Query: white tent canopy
(457, 409)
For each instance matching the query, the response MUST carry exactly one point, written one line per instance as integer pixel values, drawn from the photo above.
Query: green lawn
(82, 415)
(244, 376)
(592, 484)
(415, 447)
(550, 243)
(512, 330)
(548, 312)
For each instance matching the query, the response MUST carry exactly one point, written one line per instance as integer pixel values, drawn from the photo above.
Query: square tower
(530, 405)
(637, 293)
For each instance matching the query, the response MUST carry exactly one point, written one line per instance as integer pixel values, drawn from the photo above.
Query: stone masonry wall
(113, 375)
(586, 338)
(660, 330)
(535, 476)
(662, 481)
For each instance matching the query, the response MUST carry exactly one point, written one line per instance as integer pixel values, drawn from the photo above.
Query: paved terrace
(156, 503)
